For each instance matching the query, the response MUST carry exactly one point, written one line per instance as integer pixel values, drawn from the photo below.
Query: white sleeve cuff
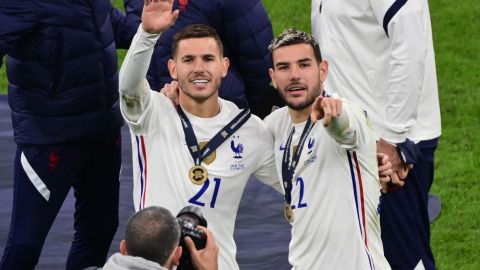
(147, 38)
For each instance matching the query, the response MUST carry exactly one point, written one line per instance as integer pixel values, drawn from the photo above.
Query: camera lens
(188, 219)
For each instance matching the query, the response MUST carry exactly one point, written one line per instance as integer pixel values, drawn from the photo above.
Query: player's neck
(299, 116)
(204, 109)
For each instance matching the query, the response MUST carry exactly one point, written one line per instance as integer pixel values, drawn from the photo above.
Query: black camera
(188, 218)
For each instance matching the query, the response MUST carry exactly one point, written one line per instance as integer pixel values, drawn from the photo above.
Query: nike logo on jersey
(311, 142)
(281, 147)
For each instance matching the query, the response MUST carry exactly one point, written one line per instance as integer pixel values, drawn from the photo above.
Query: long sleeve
(134, 90)
(248, 43)
(403, 25)
(378, 57)
(18, 18)
(351, 129)
(125, 25)
(267, 172)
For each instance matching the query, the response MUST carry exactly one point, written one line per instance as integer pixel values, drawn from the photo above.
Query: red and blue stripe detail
(142, 164)
(357, 185)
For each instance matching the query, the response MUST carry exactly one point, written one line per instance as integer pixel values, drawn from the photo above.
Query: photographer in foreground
(151, 242)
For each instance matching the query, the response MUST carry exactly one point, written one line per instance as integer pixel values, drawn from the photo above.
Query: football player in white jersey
(329, 169)
(173, 167)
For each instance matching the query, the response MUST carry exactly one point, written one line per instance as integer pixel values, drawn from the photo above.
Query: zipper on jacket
(58, 69)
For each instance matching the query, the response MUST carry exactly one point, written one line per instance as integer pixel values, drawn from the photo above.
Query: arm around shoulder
(267, 171)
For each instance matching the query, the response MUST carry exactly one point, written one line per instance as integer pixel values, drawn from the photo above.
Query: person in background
(63, 91)
(151, 242)
(382, 58)
(245, 30)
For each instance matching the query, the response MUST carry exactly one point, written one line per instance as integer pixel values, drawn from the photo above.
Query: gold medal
(288, 212)
(198, 174)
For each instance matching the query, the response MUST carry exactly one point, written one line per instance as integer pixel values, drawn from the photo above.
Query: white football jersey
(335, 192)
(381, 57)
(161, 159)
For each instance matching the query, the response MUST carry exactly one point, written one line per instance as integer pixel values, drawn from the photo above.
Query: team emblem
(182, 5)
(210, 158)
(198, 175)
(237, 149)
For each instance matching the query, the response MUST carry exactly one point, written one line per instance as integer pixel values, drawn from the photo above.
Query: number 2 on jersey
(300, 184)
(196, 199)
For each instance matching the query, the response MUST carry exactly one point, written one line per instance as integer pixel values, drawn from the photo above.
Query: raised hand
(326, 108)
(157, 16)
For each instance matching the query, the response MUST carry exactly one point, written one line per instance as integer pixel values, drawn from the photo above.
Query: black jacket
(62, 67)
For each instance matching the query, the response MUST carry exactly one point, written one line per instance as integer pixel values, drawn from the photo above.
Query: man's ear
(323, 66)
(172, 68)
(225, 65)
(176, 255)
(271, 71)
(123, 247)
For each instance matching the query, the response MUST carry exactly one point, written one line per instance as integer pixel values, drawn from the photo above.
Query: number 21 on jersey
(197, 198)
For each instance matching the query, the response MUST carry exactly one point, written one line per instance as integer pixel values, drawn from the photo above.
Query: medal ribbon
(288, 168)
(199, 155)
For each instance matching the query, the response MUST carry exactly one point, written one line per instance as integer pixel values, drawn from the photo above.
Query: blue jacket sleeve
(17, 18)
(125, 26)
(248, 32)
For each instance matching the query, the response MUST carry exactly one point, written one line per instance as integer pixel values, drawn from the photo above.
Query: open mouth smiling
(199, 81)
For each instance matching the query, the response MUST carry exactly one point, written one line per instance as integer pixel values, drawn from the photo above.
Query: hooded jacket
(124, 262)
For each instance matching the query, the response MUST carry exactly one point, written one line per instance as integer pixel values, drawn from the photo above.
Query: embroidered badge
(237, 149)
(53, 159)
(182, 5)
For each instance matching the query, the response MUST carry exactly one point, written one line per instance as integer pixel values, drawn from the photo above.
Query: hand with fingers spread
(206, 258)
(171, 90)
(326, 108)
(157, 16)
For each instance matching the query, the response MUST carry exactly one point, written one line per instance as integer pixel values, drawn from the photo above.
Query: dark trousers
(43, 176)
(404, 215)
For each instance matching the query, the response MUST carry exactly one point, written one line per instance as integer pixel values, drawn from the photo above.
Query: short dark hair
(196, 31)
(293, 37)
(153, 234)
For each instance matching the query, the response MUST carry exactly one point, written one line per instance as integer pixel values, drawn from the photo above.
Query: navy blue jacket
(62, 67)
(246, 31)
